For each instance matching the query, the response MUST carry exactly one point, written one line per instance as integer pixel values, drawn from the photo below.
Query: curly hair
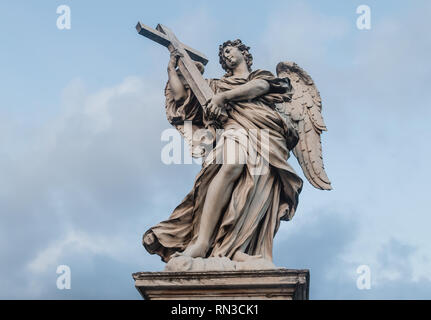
(241, 47)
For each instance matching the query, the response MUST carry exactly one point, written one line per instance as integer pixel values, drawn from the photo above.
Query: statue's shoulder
(261, 74)
(213, 83)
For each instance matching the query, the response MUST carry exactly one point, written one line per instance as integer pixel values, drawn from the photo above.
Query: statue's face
(232, 56)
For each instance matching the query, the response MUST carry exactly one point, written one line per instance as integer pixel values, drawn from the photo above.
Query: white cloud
(79, 243)
(89, 170)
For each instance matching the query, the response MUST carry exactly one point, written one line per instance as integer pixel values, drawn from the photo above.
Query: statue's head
(231, 53)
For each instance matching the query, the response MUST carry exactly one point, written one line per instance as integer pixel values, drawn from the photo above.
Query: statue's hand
(173, 61)
(216, 105)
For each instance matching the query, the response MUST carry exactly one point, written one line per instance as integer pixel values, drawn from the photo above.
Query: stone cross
(187, 67)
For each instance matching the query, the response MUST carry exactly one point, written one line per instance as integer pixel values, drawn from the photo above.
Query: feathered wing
(303, 111)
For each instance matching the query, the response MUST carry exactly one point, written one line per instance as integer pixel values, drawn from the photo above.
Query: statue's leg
(242, 257)
(218, 196)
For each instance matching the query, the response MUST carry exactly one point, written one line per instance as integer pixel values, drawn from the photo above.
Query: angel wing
(303, 111)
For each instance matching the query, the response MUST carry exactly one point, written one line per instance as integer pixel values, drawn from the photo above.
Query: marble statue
(245, 188)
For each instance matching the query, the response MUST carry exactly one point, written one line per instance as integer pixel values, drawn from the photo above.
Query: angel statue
(229, 219)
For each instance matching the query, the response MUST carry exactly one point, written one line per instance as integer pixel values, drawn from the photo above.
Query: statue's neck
(241, 70)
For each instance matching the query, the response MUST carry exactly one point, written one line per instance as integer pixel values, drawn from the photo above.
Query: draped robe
(259, 201)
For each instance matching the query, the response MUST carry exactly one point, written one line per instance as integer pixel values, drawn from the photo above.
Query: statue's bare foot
(243, 257)
(195, 250)
(176, 254)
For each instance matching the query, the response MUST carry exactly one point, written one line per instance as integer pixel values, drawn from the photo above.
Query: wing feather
(304, 110)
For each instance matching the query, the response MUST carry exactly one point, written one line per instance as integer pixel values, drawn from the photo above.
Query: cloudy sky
(82, 112)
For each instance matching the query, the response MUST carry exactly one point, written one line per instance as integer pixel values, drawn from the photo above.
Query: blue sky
(81, 114)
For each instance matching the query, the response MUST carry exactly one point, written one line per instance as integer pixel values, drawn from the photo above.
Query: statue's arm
(248, 91)
(174, 82)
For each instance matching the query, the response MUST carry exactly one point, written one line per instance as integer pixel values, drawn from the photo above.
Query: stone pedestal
(280, 284)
